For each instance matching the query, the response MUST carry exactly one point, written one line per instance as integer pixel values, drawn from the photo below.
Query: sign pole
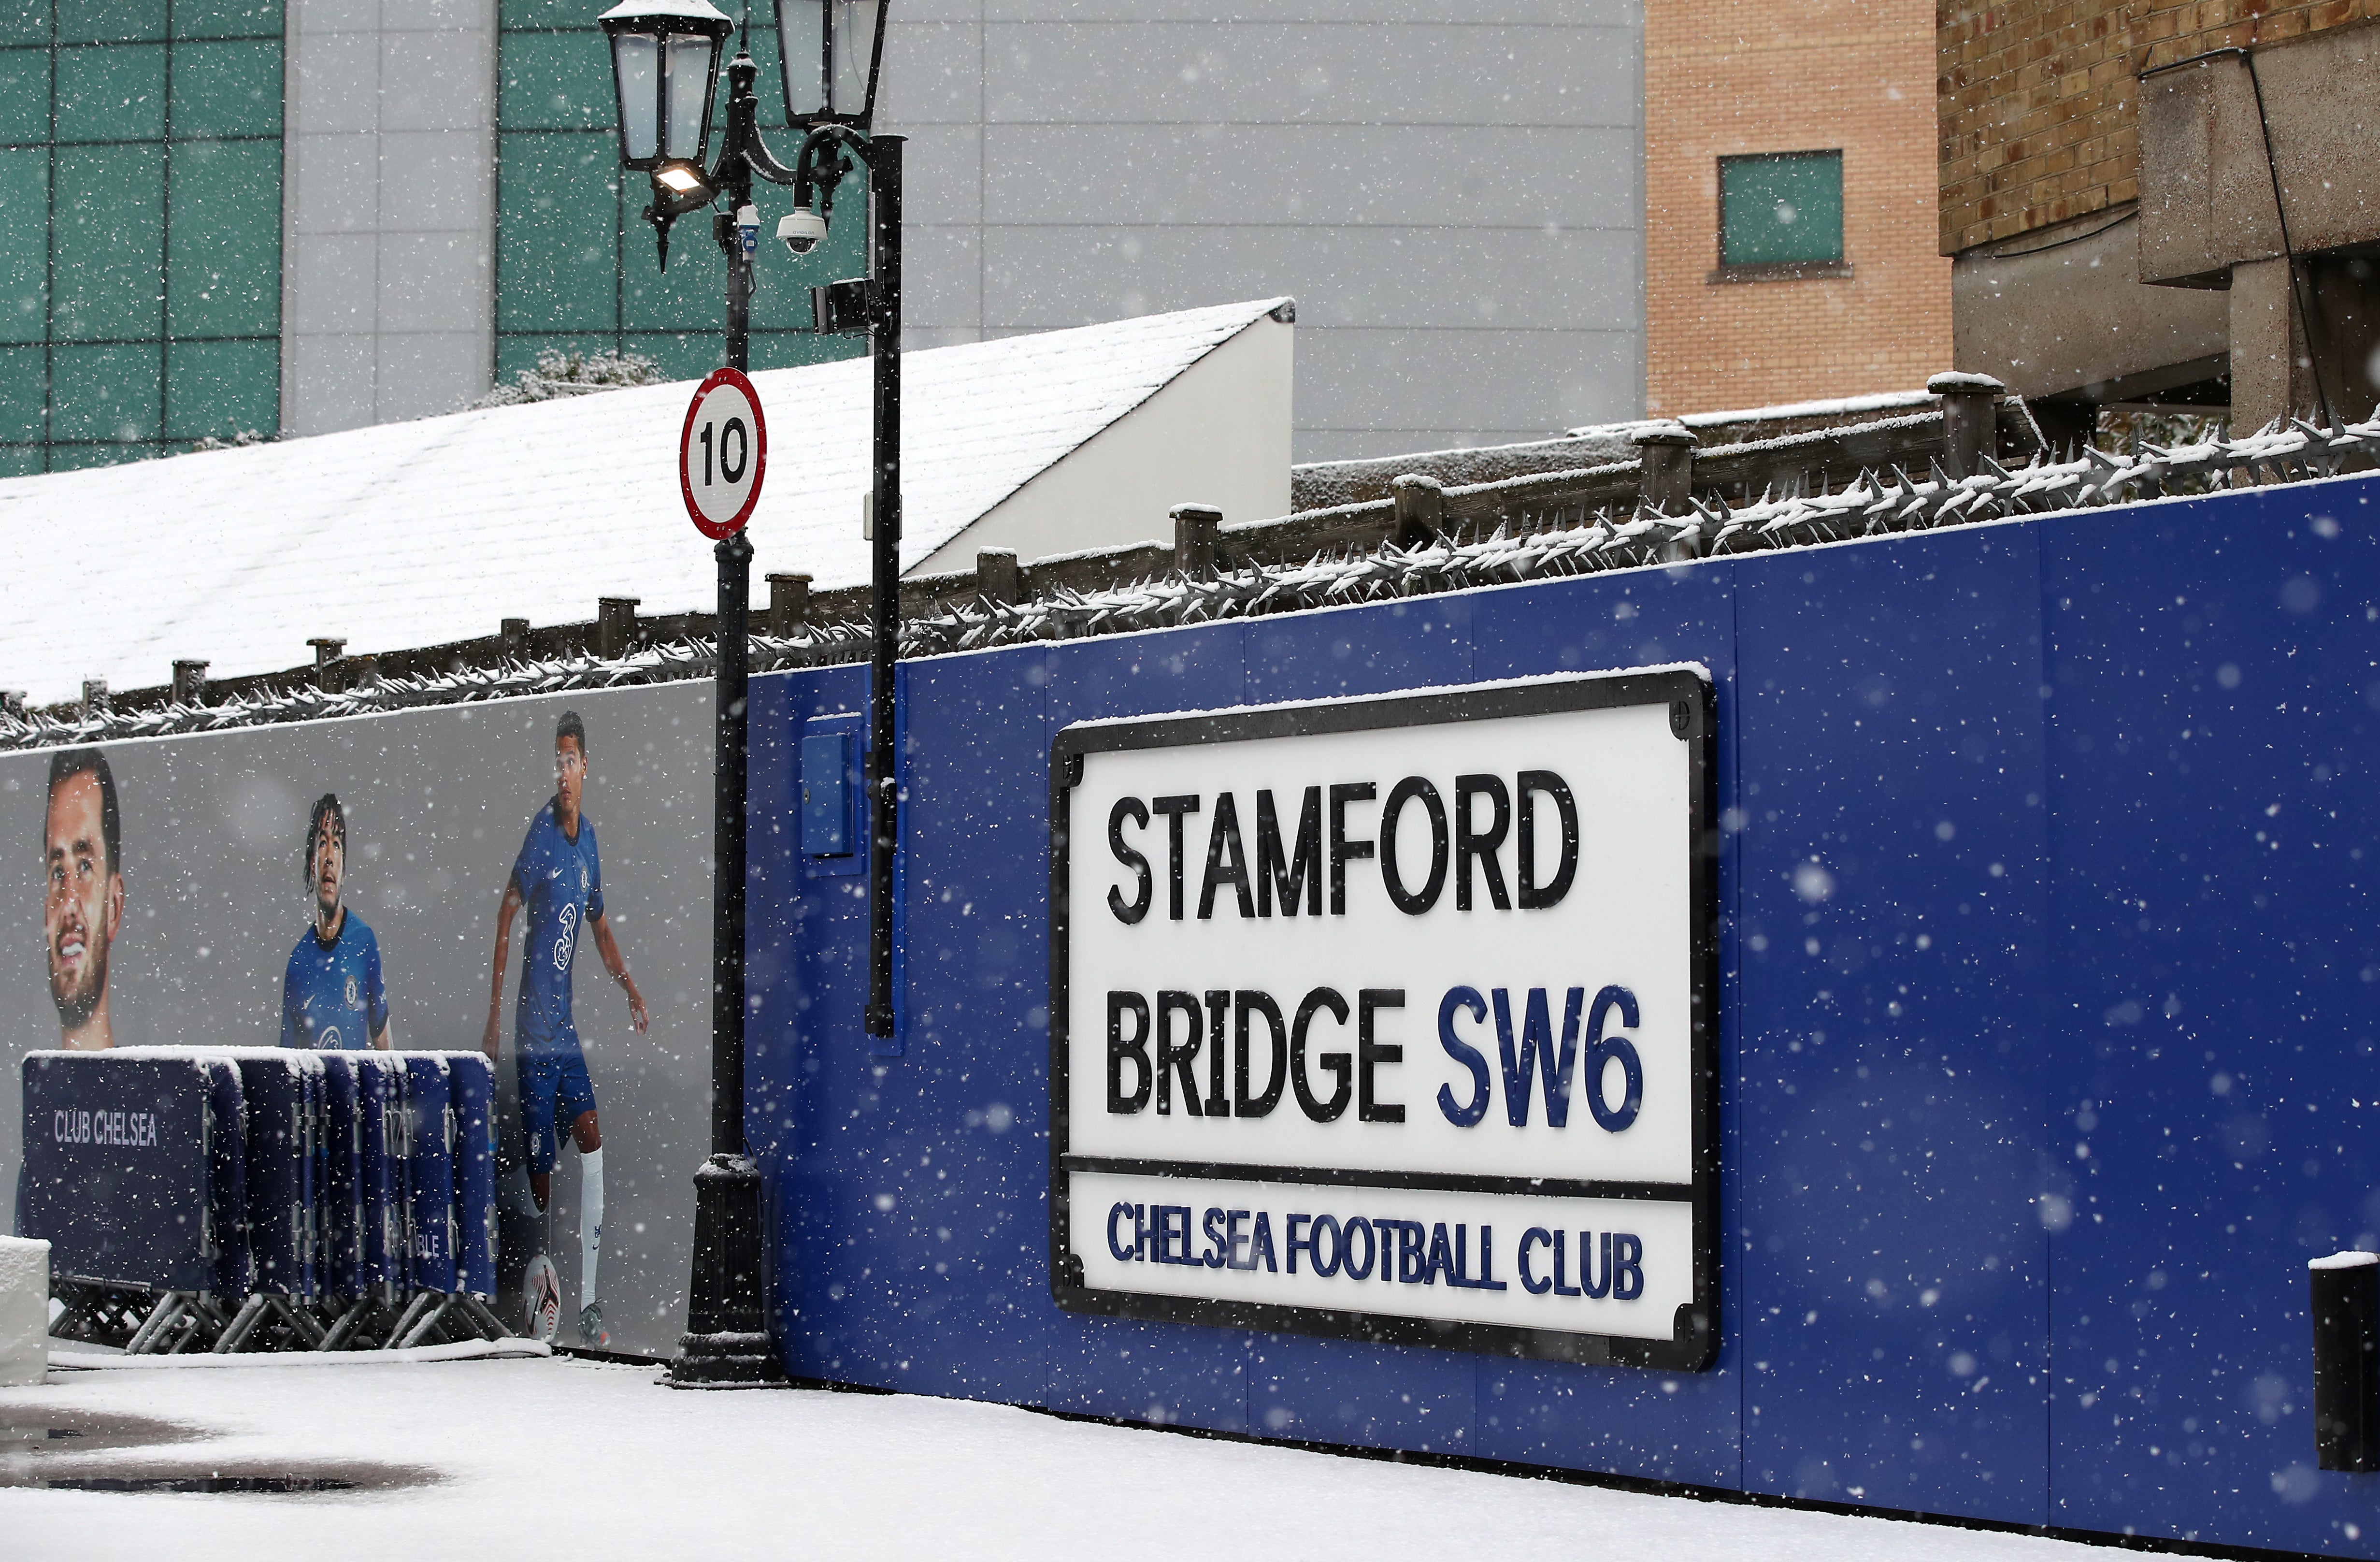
(731, 747)
(884, 763)
(721, 459)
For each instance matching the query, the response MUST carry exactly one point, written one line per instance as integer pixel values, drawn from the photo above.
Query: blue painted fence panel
(2214, 746)
(2048, 1027)
(1890, 813)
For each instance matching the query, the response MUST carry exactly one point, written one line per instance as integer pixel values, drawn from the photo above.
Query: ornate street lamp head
(665, 65)
(665, 68)
(830, 50)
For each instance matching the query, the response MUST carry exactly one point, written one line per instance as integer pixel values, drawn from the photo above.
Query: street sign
(1406, 1026)
(723, 453)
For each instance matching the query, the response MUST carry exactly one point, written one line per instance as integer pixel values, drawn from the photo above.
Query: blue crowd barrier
(382, 1184)
(121, 1174)
(343, 1202)
(472, 1079)
(432, 1166)
(241, 1198)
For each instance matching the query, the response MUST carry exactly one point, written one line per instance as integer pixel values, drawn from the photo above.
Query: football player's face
(330, 866)
(84, 899)
(569, 773)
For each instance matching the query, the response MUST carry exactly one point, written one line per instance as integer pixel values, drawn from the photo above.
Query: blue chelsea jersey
(561, 883)
(332, 998)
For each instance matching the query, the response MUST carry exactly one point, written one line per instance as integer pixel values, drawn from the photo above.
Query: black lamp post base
(726, 1343)
(725, 1361)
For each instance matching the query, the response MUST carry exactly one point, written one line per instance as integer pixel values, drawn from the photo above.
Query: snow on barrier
(24, 1310)
(240, 1198)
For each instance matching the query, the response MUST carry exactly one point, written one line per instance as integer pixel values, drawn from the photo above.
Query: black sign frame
(1693, 1342)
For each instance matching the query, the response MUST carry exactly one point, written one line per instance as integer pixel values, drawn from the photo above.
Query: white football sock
(590, 1224)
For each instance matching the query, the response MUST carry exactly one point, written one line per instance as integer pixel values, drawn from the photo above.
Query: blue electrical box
(825, 794)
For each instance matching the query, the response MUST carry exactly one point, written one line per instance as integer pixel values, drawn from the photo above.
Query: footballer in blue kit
(332, 996)
(558, 881)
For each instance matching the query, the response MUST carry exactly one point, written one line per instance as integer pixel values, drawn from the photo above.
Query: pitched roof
(419, 534)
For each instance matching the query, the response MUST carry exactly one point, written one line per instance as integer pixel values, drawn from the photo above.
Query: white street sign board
(1394, 1018)
(723, 453)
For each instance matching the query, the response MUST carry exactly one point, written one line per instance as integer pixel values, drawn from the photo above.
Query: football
(541, 1288)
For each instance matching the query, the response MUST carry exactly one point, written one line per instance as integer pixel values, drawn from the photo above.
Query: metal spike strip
(1873, 505)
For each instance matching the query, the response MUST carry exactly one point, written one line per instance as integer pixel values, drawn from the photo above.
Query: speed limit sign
(722, 452)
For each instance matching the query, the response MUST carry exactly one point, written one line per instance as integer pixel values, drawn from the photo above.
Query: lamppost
(665, 66)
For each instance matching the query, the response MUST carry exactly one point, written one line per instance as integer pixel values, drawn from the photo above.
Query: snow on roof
(419, 534)
(1832, 406)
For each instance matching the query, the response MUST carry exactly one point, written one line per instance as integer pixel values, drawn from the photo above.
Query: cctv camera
(801, 229)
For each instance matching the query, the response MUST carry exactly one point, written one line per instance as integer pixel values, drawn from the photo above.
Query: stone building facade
(2153, 203)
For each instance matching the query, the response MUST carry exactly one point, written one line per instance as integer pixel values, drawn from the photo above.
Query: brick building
(2148, 201)
(1789, 203)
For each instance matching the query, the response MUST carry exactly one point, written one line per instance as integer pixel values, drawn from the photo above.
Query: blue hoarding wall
(2047, 1002)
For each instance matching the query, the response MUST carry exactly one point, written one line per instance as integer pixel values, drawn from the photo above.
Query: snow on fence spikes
(1876, 504)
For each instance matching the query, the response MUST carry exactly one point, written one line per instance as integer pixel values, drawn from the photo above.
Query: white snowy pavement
(587, 1463)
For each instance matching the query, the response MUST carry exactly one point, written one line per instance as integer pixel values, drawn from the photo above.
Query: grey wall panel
(430, 368)
(941, 280)
(942, 176)
(433, 16)
(1546, 381)
(940, 80)
(1340, 275)
(1537, 12)
(1400, 171)
(338, 77)
(342, 286)
(333, 160)
(434, 179)
(437, 802)
(1315, 73)
(1495, 175)
(422, 275)
(331, 375)
(427, 79)
(389, 212)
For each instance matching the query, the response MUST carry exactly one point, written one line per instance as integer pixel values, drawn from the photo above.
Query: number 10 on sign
(723, 453)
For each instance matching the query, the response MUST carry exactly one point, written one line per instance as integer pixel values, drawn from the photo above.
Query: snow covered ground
(576, 1459)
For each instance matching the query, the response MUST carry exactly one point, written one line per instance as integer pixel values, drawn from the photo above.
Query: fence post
(1665, 483)
(189, 682)
(1195, 528)
(999, 576)
(1665, 457)
(327, 653)
(616, 626)
(1969, 420)
(1421, 509)
(95, 697)
(789, 604)
(2346, 1298)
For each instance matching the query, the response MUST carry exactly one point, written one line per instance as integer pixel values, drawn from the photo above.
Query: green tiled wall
(140, 226)
(576, 264)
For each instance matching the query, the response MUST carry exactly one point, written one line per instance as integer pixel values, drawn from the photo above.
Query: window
(1780, 216)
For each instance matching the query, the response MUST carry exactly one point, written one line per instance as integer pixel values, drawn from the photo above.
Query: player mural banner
(1392, 1019)
(529, 877)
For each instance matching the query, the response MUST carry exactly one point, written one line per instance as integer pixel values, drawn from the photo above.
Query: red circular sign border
(717, 531)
